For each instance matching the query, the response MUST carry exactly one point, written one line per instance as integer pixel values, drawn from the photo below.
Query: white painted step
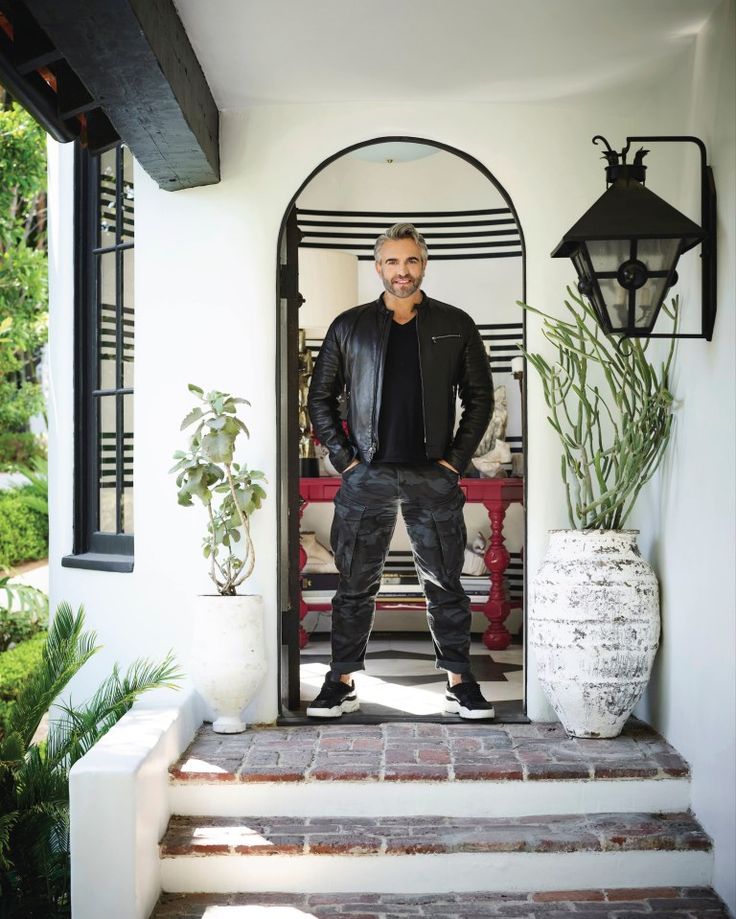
(372, 798)
(434, 854)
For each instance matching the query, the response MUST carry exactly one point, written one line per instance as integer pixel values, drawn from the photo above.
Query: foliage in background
(207, 469)
(611, 408)
(15, 665)
(36, 493)
(24, 531)
(34, 777)
(24, 610)
(19, 447)
(23, 266)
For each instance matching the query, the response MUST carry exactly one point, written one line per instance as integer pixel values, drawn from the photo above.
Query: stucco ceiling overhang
(133, 69)
(311, 51)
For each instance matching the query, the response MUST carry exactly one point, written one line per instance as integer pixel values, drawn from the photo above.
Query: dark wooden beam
(137, 63)
(71, 94)
(33, 93)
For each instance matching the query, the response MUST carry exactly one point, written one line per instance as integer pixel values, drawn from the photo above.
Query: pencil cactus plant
(207, 470)
(611, 408)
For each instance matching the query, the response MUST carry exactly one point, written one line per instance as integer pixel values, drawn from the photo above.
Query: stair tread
(421, 752)
(606, 903)
(432, 835)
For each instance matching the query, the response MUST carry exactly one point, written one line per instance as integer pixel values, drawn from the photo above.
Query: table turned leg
(303, 609)
(496, 637)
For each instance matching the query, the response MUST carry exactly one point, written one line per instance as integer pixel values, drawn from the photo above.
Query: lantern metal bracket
(708, 221)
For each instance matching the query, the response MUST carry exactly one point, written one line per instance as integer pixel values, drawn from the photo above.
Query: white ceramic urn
(594, 625)
(228, 655)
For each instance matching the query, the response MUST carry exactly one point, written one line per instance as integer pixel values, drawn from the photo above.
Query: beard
(402, 290)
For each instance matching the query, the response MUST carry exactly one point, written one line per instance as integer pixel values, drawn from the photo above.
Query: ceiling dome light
(394, 152)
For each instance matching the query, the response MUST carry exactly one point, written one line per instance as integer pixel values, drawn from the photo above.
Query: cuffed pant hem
(349, 667)
(453, 666)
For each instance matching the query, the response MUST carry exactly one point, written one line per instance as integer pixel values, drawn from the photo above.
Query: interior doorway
(325, 266)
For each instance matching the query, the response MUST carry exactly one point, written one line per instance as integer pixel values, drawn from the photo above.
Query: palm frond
(77, 731)
(34, 777)
(65, 652)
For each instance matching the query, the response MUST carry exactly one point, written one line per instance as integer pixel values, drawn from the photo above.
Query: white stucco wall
(687, 519)
(205, 281)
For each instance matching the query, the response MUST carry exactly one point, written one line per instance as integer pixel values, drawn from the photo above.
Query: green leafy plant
(207, 470)
(24, 612)
(15, 665)
(36, 493)
(23, 272)
(24, 531)
(611, 408)
(19, 447)
(34, 774)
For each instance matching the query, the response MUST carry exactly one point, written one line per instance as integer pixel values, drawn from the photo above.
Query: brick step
(607, 903)
(432, 854)
(489, 770)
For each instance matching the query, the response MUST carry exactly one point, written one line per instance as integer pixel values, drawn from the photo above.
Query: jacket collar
(382, 306)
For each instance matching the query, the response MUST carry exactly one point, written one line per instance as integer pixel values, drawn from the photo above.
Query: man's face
(401, 267)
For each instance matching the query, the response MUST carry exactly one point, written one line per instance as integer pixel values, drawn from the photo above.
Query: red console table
(495, 495)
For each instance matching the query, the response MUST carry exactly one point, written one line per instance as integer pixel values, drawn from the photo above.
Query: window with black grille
(104, 366)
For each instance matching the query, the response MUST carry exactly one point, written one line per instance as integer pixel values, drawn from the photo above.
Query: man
(401, 359)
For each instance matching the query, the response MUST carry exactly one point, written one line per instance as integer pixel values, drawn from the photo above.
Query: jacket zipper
(436, 338)
(421, 383)
(376, 407)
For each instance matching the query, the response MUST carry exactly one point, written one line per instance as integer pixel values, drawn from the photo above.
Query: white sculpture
(496, 429)
(474, 563)
(493, 451)
(319, 559)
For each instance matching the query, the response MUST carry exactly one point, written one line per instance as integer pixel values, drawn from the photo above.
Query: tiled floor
(400, 675)
(420, 752)
(663, 902)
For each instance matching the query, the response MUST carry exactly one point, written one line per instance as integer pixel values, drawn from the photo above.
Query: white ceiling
(256, 52)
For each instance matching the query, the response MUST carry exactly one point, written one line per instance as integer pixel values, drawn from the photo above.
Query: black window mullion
(93, 548)
(119, 446)
(93, 468)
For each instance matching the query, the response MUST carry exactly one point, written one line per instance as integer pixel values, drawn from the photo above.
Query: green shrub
(15, 666)
(18, 448)
(24, 531)
(23, 612)
(35, 491)
(15, 628)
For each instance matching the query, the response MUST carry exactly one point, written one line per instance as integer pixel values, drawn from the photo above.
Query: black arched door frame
(287, 318)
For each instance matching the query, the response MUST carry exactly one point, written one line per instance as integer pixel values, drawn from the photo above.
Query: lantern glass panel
(648, 300)
(615, 302)
(658, 254)
(607, 254)
(582, 265)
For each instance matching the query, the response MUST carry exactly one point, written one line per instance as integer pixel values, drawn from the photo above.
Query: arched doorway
(327, 231)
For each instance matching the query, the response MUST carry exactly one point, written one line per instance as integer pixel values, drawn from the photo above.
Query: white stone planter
(229, 656)
(594, 626)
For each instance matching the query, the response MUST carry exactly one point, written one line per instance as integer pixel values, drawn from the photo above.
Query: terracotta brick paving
(422, 752)
(440, 835)
(657, 903)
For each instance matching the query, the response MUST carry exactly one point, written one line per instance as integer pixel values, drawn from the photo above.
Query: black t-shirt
(401, 420)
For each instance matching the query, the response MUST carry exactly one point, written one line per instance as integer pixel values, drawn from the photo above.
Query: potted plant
(229, 649)
(594, 620)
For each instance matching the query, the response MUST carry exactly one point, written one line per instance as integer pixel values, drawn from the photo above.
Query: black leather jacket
(452, 360)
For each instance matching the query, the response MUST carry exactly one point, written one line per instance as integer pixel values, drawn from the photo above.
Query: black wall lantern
(625, 248)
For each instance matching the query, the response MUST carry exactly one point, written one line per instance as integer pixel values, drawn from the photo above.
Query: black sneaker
(334, 699)
(465, 699)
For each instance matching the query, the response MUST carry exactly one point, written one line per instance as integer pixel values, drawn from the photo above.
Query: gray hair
(401, 231)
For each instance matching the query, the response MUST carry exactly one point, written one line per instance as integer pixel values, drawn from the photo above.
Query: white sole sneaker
(452, 707)
(344, 708)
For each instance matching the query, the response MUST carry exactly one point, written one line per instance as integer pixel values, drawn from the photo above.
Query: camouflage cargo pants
(366, 508)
